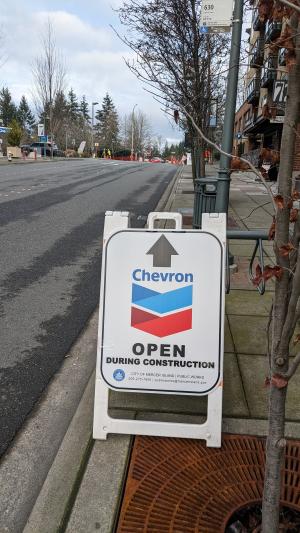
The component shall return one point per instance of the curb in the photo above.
(55, 498)
(26, 465)
(167, 198)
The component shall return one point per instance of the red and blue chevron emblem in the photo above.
(161, 314)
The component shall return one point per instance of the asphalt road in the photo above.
(51, 223)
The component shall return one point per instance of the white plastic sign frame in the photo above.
(116, 222)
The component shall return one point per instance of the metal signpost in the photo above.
(161, 325)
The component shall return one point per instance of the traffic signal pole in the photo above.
(222, 199)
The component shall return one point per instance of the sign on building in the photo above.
(280, 92)
(216, 16)
(161, 323)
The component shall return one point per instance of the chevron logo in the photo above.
(161, 314)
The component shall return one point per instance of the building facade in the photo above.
(265, 84)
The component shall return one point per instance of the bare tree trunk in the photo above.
(202, 160)
(285, 302)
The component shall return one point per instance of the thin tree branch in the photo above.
(293, 368)
(290, 4)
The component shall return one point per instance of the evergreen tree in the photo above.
(15, 134)
(107, 126)
(8, 110)
(84, 108)
(73, 106)
(25, 116)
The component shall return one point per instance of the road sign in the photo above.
(81, 147)
(41, 130)
(216, 16)
(43, 138)
(4, 129)
(162, 312)
(280, 92)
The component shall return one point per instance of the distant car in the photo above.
(156, 160)
(45, 149)
(26, 149)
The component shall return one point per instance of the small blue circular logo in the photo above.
(119, 375)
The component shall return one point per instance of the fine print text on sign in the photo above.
(162, 312)
(216, 16)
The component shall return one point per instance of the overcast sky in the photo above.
(94, 55)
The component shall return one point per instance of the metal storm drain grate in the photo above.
(180, 486)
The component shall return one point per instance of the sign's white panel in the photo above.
(216, 14)
(162, 312)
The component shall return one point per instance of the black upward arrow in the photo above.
(162, 252)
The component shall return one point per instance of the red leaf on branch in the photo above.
(256, 281)
(279, 201)
(278, 271)
(279, 381)
(272, 230)
(270, 272)
(286, 249)
(294, 215)
(295, 195)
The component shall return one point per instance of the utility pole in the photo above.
(222, 199)
(132, 132)
(93, 117)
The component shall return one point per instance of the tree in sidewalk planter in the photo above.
(286, 306)
(15, 134)
(178, 64)
(283, 328)
(8, 110)
(107, 124)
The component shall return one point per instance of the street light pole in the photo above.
(93, 107)
(132, 131)
(222, 199)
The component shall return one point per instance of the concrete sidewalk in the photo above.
(83, 489)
